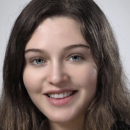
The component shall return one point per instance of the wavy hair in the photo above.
(112, 101)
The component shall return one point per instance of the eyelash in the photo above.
(76, 55)
(35, 60)
(38, 59)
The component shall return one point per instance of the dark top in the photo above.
(119, 125)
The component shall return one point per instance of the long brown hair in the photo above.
(112, 101)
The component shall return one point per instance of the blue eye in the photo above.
(75, 58)
(38, 61)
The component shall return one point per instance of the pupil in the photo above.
(39, 61)
(75, 57)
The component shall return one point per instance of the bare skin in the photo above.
(60, 74)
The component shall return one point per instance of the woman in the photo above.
(62, 70)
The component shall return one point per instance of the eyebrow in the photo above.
(34, 50)
(76, 46)
(66, 48)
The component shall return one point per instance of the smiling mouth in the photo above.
(61, 95)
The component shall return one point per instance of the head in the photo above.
(96, 31)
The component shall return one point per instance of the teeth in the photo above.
(65, 94)
(60, 95)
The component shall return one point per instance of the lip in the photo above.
(58, 91)
(60, 101)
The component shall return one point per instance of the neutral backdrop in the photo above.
(117, 12)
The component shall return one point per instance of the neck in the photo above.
(73, 125)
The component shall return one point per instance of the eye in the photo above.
(75, 58)
(37, 61)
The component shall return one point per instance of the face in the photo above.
(60, 73)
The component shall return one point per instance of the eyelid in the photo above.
(37, 58)
(79, 55)
(33, 59)
(76, 54)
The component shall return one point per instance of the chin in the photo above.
(62, 118)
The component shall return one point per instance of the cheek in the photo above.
(88, 76)
(32, 80)
(91, 75)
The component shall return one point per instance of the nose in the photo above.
(57, 75)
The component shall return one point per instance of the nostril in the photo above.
(57, 79)
(66, 77)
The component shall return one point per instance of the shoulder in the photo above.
(119, 125)
(44, 125)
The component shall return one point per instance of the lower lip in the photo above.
(60, 101)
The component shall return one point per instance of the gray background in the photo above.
(117, 12)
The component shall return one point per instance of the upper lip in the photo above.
(58, 91)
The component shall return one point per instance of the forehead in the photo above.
(61, 31)
(62, 21)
